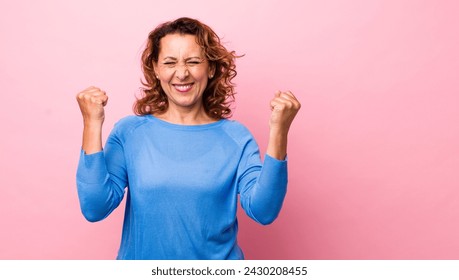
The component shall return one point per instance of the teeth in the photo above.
(183, 87)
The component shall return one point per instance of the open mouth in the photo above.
(183, 87)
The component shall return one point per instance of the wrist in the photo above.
(93, 123)
(278, 132)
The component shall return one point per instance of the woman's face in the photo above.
(183, 71)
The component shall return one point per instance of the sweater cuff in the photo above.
(92, 168)
(275, 159)
(274, 172)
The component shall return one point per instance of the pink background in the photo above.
(374, 154)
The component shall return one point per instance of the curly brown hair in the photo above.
(219, 93)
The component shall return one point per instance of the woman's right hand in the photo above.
(92, 101)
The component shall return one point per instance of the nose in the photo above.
(181, 72)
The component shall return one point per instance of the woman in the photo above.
(183, 162)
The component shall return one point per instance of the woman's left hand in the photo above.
(284, 107)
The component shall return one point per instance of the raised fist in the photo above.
(92, 101)
(284, 107)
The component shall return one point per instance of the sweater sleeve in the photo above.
(101, 179)
(262, 187)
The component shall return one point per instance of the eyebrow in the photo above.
(188, 58)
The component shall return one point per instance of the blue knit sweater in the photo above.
(183, 183)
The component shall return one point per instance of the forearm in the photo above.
(98, 193)
(277, 144)
(263, 200)
(92, 137)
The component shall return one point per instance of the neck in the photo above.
(185, 117)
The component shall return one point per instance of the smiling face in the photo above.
(183, 72)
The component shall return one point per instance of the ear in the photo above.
(211, 70)
(155, 67)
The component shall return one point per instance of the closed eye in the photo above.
(169, 64)
(193, 62)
